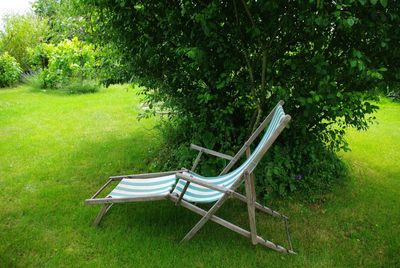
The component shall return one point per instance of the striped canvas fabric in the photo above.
(195, 193)
(159, 186)
(200, 194)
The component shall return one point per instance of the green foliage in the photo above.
(63, 19)
(220, 66)
(22, 32)
(60, 64)
(66, 20)
(312, 171)
(112, 68)
(10, 70)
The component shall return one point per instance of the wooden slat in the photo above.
(196, 162)
(251, 199)
(182, 193)
(101, 214)
(101, 188)
(260, 207)
(211, 152)
(123, 200)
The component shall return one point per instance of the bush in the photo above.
(22, 32)
(62, 64)
(10, 71)
(311, 170)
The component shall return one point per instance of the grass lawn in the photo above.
(56, 150)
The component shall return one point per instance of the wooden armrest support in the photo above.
(203, 183)
(211, 152)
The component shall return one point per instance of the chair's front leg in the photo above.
(212, 210)
(205, 218)
(103, 211)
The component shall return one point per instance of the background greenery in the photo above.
(57, 149)
(21, 33)
(70, 61)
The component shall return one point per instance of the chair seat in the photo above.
(158, 186)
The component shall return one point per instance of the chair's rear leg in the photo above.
(101, 214)
(251, 199)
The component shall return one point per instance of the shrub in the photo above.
(310, 170)
(59, 65)
(22, 32)
(10, 71)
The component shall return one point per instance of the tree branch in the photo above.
(248, 13)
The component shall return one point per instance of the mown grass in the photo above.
(57, 149)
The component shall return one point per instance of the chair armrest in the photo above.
(204, 183)
(211, 152)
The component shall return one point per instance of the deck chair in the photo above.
(186, 188)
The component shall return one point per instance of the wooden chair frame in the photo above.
(247, 177)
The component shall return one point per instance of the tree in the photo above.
(219, 66)
(20, 33)
(64, 18)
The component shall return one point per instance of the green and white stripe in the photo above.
(158, 186)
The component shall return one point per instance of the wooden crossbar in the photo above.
(211, 152)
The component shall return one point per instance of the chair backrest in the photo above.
(196, 193)
(277, 111)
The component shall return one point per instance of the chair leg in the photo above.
(251, 200)
(205, 218)
(101, 214)
(211, 212)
